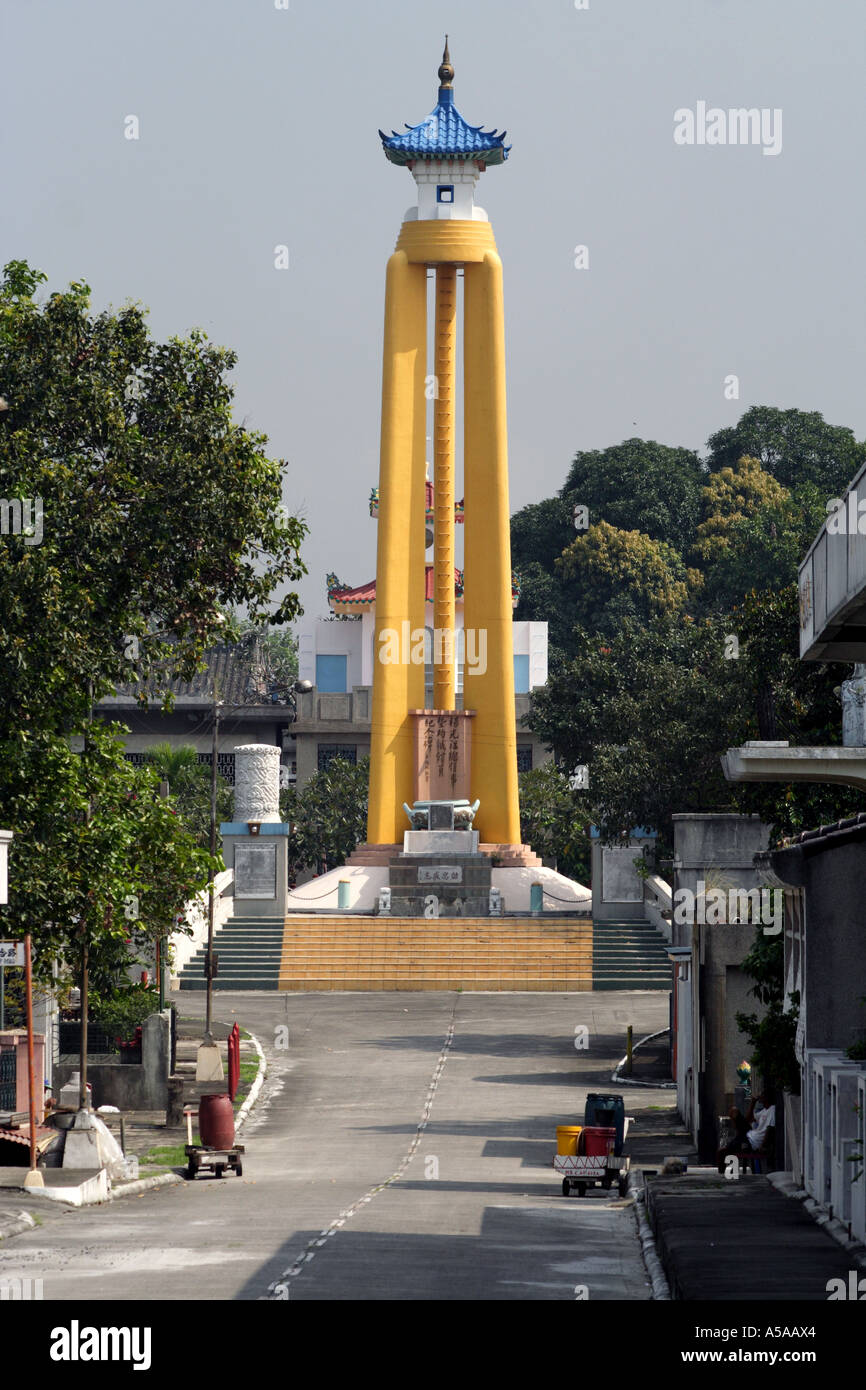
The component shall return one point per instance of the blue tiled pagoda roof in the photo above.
(445, 135)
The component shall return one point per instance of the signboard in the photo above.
(620, 883)
(440, 873)
(256, 870)
(11, 952)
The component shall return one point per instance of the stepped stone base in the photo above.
(411, 953)
(560, 951)
(509, 856)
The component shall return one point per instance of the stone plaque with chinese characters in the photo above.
(440, 873)
(256, 869)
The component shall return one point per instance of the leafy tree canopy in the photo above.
(608, 575)
(327, 816)
(795, 446)
(158, 509)
(732, 495)
(639, 485)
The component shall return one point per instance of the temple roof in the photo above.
(445, 134)
(347, 601)
(343, 599)
(234, 673)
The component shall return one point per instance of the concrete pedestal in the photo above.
(260, 864)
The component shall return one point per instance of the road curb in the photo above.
(784, 1183)
(649, 1251)
(134, 1189)
(256, 1087)
(619, 1080)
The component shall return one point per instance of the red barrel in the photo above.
(216, 1122)
(599, 1140)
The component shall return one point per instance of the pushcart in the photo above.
(201, 1158)
(582, 1171)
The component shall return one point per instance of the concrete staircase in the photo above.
(346, 951)
(629, 955)
(413, 953)
(249, 951)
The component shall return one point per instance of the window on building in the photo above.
(521, 675)
(225, 765)
(445, 193)
(524, 757)
(348, 752)
(331, 674)
(137, 759)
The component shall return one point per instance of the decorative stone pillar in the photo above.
(259, 857)
(853, 697)
(257, 783)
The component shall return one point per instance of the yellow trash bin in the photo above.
(566, 1139)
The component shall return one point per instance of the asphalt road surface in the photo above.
(401, 1150)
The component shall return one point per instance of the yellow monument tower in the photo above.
(417, 750)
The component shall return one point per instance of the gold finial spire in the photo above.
(446, 71)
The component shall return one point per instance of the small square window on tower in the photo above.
(445, 193)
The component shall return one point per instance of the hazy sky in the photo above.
(258, 127)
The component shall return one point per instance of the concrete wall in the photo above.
(718, 850)
(617, 890)
(131, 1086)
(835, 958)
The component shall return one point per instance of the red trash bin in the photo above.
(599, 1141)
(216, 1122)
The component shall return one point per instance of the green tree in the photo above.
(795, 446)
(639, 485)
(158, 510)
(99, 858)
(607, 575)
(648, 710)
(189, 784)
(731, 496)
(552, 820)
(540, 532)
(327, 816)
(762, 550)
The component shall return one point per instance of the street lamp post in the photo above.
(209, 1066)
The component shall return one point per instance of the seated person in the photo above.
(739, 1142)
(760, 1120)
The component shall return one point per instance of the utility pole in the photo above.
(209, 1066)
(34, 1178)
(85, 963)
(161, 941)
(210, 897)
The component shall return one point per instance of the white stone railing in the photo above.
(657, 901)
(184, 947)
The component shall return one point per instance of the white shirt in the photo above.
(762, 1123)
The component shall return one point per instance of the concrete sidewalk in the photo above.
(144, 1131)
(720, 1240)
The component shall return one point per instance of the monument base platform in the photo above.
(503, 856)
